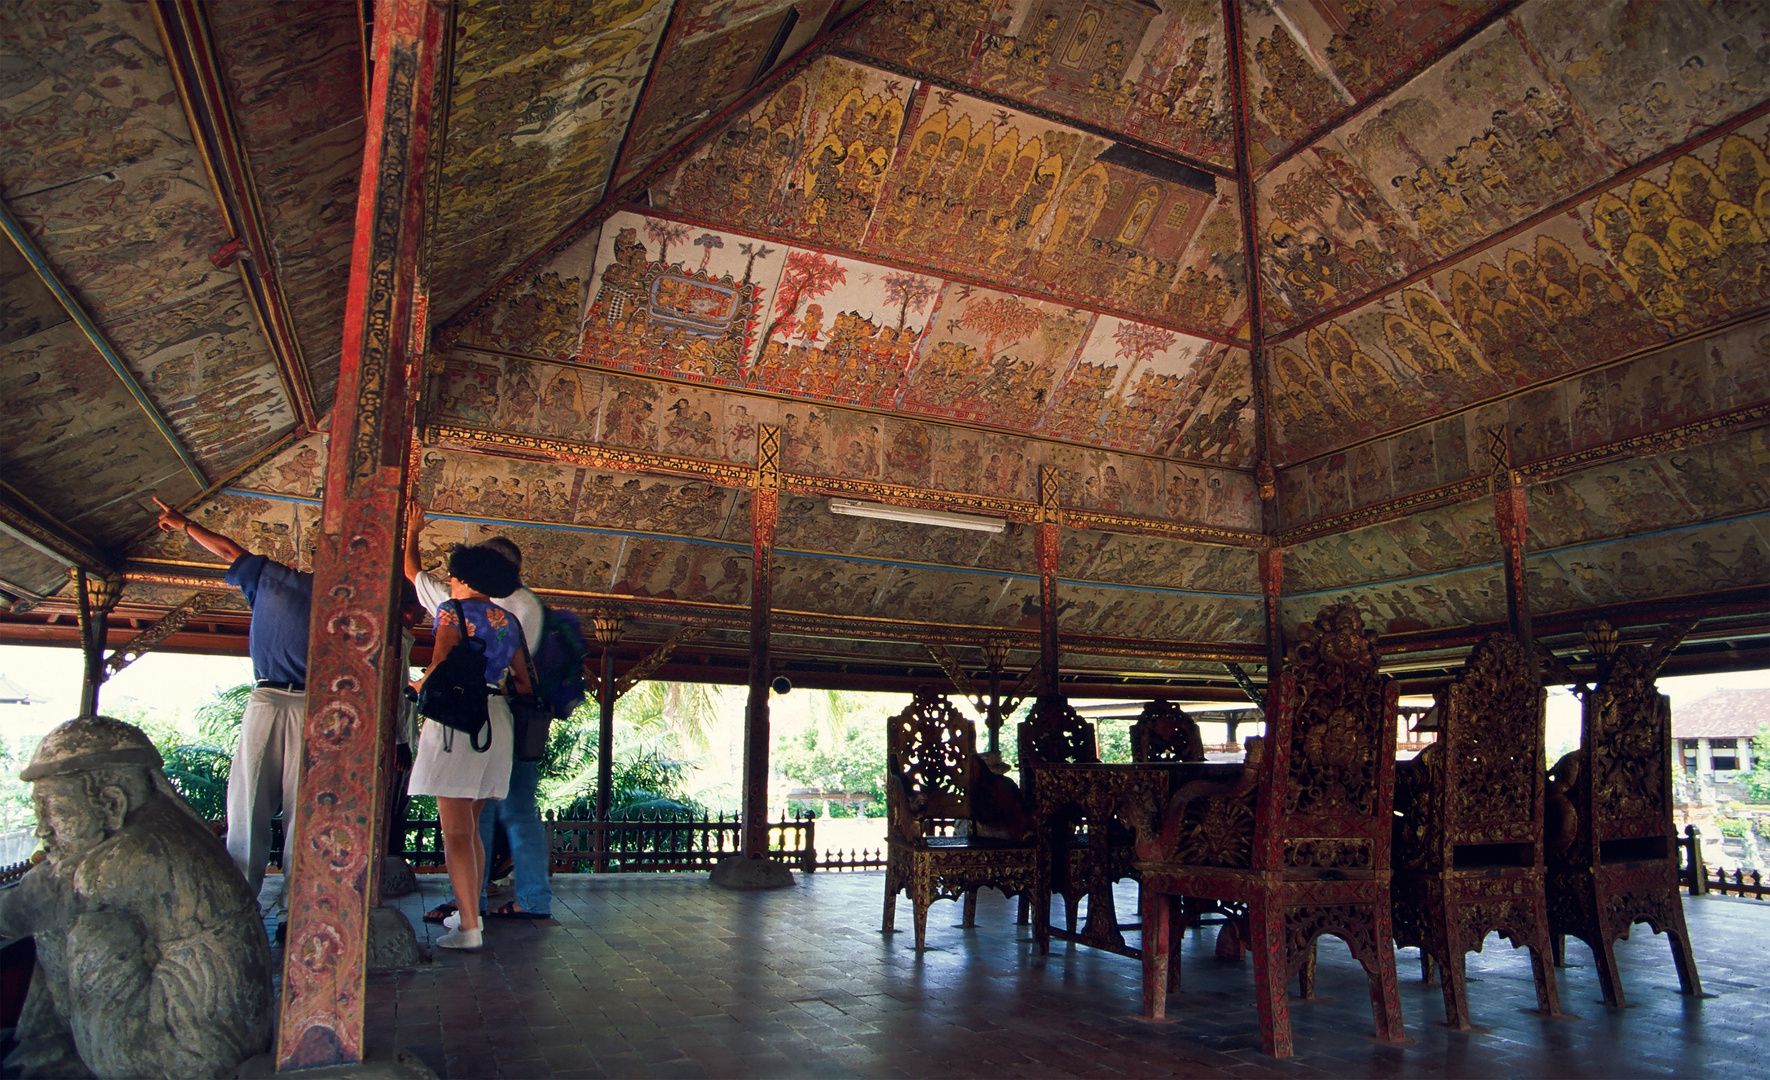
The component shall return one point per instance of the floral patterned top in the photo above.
(492, 625)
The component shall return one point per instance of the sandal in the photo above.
(509, 910)
(440, 912)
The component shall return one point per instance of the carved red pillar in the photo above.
(1047, 540)
(97, 596)
(764, 504)
(353, 653)
(1272, 595)
(607, 624)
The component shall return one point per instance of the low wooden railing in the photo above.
(1699, 879)
(671, 842)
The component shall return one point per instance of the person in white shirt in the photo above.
(517, 813)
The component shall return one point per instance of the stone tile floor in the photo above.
(667, 976)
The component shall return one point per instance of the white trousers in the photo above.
(264, 779)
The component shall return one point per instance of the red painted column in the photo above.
(1047, 542)
(1272, 595)
(1510, 518)
(764, 506)
(353, 653)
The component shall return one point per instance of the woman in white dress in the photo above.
(448, 766)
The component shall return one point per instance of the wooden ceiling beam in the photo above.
(28, 248)
(39, 530)
(196, 74)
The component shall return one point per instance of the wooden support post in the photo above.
(1511, 517)
(354, 675)
(1272, 595)
(1047, 541)
(97, 596)
(607, 625)
(752, 868)
(995, 650)
(764, 505)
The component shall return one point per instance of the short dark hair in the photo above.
(506, 547)
(483, 570)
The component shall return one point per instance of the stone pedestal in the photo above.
(752, 872)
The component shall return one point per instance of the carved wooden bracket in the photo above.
(655, 659)
(164, 627)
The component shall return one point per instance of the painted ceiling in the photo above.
(1157, 246)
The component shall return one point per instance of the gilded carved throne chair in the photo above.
(1163, 732)
(953, 826)
(1617, 863)
(1070, 863)
(1468, 856)
(1302, 839)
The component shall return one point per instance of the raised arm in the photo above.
(414, 525)
(212, 542)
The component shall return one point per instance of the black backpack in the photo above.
(454, 693)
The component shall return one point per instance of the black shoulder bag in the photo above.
(530, 713)
(454, 693)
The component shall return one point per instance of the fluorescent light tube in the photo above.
(887, 512)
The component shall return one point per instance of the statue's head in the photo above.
(86, 777)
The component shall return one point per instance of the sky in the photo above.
(170, 686)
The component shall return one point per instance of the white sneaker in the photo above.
(461, 939)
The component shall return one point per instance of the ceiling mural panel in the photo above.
(1683, 384)
(202, 361)
(1620, 272)
(86, 90)
(294, 73)
(1682, 562)
(27, 306)
(24, 567)
(805, 524)
(166, 597)
(1441, 539)
(76, 441)
(1651, 75)
(1144, 560)
(1154, 72)
(1454, 599)
(966, 187)
(541, 101)
(514, 394)
(706, 70)
(1309, 61)
(283, 528)
(1148, 614)
(661, 569)
(135, 237)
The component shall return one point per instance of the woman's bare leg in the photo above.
(462, 854)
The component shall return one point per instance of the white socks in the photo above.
(452, 921)
(457, 938)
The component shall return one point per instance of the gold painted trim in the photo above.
(540, 448)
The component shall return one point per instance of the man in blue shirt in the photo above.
(267, 761)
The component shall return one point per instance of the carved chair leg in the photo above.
(891, 888)
(1025, 915)
(970, 917)
(1558, 949)
(1306, 976)
(1157, 929)
(1548, 995)
(1428, 972)
(1385, 988)
(1609, 976)
(1266, 928)
(1688, 981)
(1456, 989)
(1070, 916)
(1229, 942)
(921, 906)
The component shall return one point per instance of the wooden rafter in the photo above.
(36, 528)
(655, 659)
(28, 248)
(196, 74)
(960, 680)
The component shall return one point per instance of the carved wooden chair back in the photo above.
(1327, 779)
(1623, 794)
(1164, 732)
(929, 746)
(1053, 733)
(1481, 789)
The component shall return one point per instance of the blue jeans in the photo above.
(520, 819)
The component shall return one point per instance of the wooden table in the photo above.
(1137, 793)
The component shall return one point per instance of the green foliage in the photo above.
(1731, 826)
(842, 751)
(16, 809)
(198, 766)
(1115, 741)
(651, 721)
(1757, 782)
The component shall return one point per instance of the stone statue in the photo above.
(151, 956)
